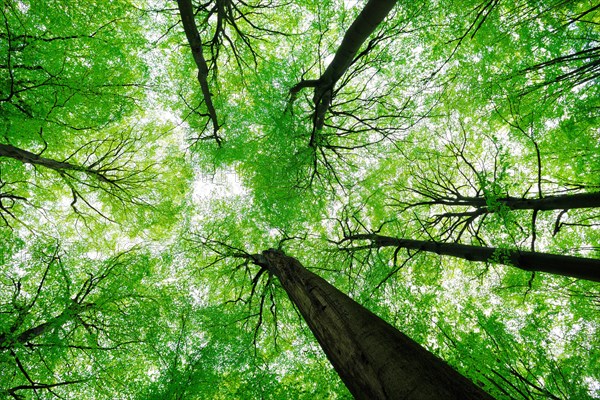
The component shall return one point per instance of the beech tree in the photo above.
(435, 162)
(374, 359)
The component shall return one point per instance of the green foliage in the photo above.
(126, 250)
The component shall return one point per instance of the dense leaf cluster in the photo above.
(148, 150)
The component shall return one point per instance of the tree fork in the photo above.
(373, 359)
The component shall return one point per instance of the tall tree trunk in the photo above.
(27, 157)
(575, 267)
(186, 11)
(362, 27)
(374, 359)
(69, 314)
(562, 202)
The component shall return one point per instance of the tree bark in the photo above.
(374, 359)
(575, 267)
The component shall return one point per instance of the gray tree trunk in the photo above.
(374, 359)
(557, 264)
(561, 202)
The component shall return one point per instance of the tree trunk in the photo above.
(70, 313)
(362, 27)
(562, 202)
(27, 157)
(186, 11)
(374, 359)
(575, 267)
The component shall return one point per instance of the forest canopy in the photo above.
(438, 162)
